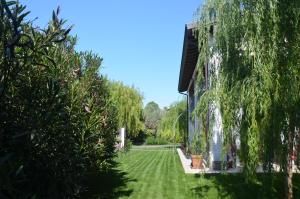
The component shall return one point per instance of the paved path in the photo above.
(186, 164)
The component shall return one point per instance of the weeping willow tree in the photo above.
(129, 104)
(173, 125)
(259, 79)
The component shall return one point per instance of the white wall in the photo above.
(216, 141)
(122, 136)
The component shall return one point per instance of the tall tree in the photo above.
(152, 115)
(259, 80)
(173, 123)
(129, 104)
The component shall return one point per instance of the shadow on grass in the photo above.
(201, 191)
(109, 185)
(235, 186)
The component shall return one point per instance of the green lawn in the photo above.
(157, 173)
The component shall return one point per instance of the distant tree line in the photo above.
(173, 124)
(168, 124)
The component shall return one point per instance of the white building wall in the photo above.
(122, 135)
(215, 117)
(216, 141)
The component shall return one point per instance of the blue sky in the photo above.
(139, 40)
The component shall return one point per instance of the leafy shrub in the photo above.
(151, 140)
(198, 144)
(140, 138)
(173, 124)
(57, 120)
(128, 145)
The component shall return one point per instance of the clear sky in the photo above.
(139, 40)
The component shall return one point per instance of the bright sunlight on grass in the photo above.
(157, 173)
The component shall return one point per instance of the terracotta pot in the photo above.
(197, 162)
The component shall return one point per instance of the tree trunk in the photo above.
(289, 183)
(289, 169)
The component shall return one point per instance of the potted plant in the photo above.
(196, 150)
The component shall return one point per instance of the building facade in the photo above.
(191, 85)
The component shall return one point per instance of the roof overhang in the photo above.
(189, 58)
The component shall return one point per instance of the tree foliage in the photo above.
(258, 83)
(152, 115)
(129, 104)
(173, 124)
(56, 117)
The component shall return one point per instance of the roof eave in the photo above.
(180, 87)
(186, 68)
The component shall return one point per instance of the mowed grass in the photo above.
(157, 173)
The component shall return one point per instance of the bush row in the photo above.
(151, 140)
(57, 120)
